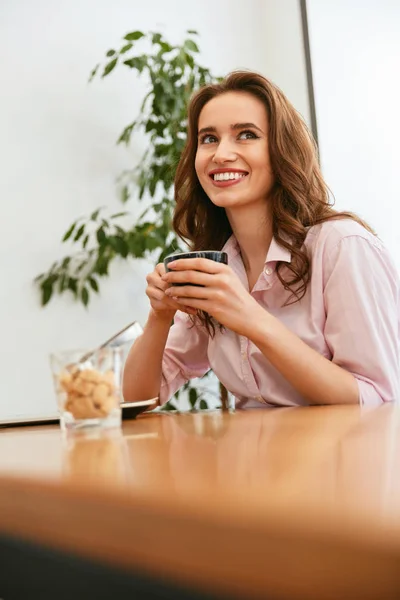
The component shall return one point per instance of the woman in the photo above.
(307, 310)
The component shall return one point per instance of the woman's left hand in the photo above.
(222, 294)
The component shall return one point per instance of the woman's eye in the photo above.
(208, 139)
(247, 135)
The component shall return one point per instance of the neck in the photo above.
(252, 228)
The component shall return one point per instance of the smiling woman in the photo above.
(306, 311)
(234, 154)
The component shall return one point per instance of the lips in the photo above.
(229, 172)
(227, 177)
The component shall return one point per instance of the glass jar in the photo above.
(88, 393)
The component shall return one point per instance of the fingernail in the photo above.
(171, 264)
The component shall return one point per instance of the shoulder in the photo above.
(345, 247)
(330, 235)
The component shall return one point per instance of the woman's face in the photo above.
(232, 159)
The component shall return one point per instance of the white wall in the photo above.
(355, 48)
(59, 160)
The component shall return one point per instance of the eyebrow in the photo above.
(212, 129)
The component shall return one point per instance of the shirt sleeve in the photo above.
(361, 297)
(185, 355)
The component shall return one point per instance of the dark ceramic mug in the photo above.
(215, 255)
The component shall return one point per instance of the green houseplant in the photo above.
(171, 72)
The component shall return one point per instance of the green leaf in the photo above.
(79, 233)
(191, 45)
(95, 214)
(165, 47)
(109, 67)
(152, 243)
(156, 38)
(93, 284)
(133, 36)
(119, 245)
(131, 62)
(126, 134)
(68, 234)
(138, 62)
(169, 406)
(110, 53)
(203, 405)
(39, 278)
(124, 196)
(154, 126)
(193, 397)
(101, 266)
(119, 214)
(62, 284)
(125, 48)
(152, 184)
(65, 262)
(192, 32)
(93, 73)
(136, 245)
(47, 292)
(190, 60)
(85, 296)
(101, 236)
(72, 285)
(85, 241)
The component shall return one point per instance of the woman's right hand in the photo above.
(162, 305)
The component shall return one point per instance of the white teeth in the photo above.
(227, 175)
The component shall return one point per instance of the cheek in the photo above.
(262, 165)
(199, 165)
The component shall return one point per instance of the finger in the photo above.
(188, 291)
(194, 303)
(158, 296)
(157, 282)
(155, 294)
(187, 309)
(197, 264)
(191, 277)
(160, 268)
(157, 274)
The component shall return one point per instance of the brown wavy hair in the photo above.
(299, 197)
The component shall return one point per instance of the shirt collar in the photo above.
(278, 253)
(275, 251)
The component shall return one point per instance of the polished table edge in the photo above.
(204, 542)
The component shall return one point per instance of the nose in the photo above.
(224, 153)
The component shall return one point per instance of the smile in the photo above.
(227, 178)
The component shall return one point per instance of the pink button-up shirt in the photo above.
(349, 314)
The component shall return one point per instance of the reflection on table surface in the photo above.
(220, 501)
(336, 458)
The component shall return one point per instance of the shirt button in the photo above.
(268, 271)
(243, 353)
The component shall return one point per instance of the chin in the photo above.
(227, 200)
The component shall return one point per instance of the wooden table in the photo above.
(280, 503)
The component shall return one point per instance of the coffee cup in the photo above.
(215, 255)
